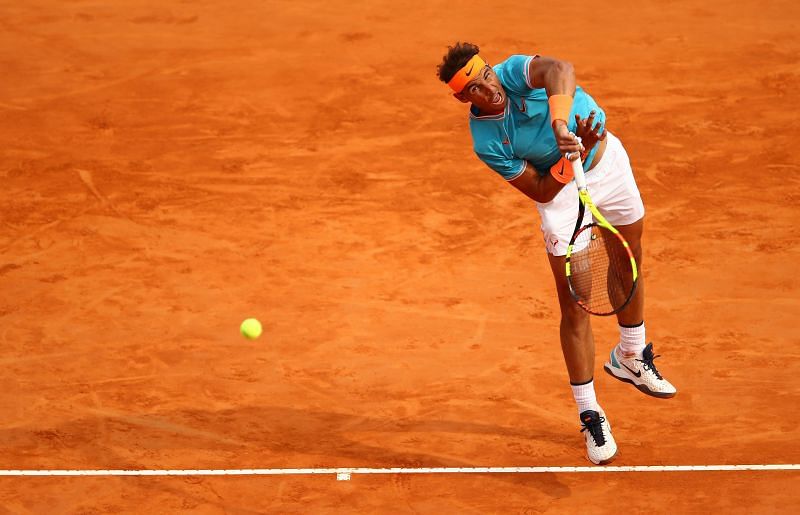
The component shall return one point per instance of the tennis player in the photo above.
(526, 117)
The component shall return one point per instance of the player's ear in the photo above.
(461, 97)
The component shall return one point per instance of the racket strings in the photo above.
(601, 270)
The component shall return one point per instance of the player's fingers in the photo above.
(565, 149)
(575, 138)
(572, 146)
(568, 139)
(591, 118)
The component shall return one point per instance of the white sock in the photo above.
(631, 339)
(584, 396)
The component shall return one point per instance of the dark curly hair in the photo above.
(456, 57)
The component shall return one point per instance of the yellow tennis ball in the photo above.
(251, 328)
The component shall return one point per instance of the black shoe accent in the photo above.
(592, 421)
(647, 360)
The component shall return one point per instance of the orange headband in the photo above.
(467, 73)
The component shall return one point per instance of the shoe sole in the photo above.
(603, 462)
(642, 388)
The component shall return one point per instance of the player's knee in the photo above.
(575, 322)
(636, 250)
(571, 313)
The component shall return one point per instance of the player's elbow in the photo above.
(547, 196)
(563, 68)
(539, 194)
(541, 188)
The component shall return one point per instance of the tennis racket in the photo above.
(601, 269)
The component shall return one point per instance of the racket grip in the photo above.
(577, 169)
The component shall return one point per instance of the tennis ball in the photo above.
(251, 328)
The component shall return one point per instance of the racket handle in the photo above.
(580, 178)
(577, 169)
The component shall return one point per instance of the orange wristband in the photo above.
(560, 107)
(562, 171)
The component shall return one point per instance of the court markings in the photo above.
(344, 474)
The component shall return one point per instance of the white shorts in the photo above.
(613, 189)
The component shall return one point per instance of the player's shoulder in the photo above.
(514, 62)
(514, 73)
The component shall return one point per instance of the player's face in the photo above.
(485, 92)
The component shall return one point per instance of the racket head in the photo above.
(601, 270)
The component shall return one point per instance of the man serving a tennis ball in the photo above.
(521, 120)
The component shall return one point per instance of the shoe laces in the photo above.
(595, 428)
(647, 361)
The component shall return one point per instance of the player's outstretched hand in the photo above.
(590, 135)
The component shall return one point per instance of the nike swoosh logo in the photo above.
(561, 173)
(470, 69)
(637, 374)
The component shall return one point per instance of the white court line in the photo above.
(344, 474)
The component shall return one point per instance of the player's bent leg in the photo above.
(633, 313)
(617, 196)
(630, 360)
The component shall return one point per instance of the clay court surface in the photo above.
(169, 170)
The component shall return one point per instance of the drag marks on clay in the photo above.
(7, 268)
(125, 379)
(12, 107)
(37, 357)
(477, 339)
(654, 104)
(422, 311)
(380, 438)
(159, 424)
(28, 236)
(352, 37)
(88, 181)
(36, 101)
(164, 19)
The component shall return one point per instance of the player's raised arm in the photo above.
(555, 76)
(558, 79)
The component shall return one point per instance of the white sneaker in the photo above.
(600, 445)
(640, 372)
